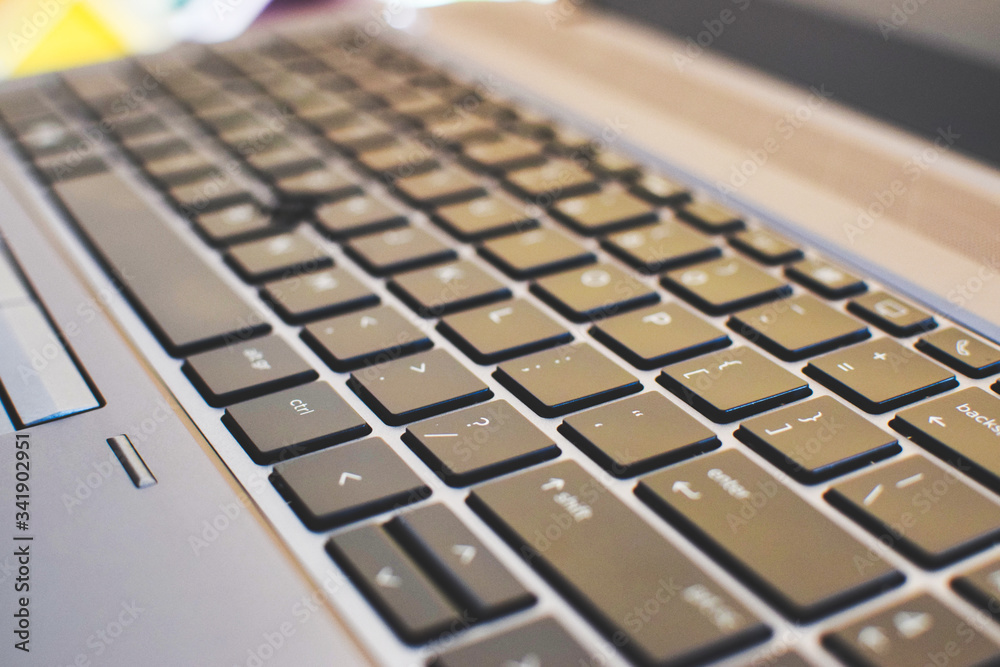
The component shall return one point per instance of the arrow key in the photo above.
(456, 558)
(540, 643)
(916, 631)
(346, 483)
(393, 583)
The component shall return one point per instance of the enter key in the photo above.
(963, 428)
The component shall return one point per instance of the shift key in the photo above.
(648, 597)
(777, 542)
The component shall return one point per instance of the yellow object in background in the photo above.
(77, 37)
(44, 35)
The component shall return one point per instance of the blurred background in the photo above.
(44, 35)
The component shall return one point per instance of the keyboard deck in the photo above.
(541, 404)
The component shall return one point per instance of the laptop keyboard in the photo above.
(711, 370)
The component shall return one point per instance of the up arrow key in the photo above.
(464, 552)
(386, 578)
(348, 475)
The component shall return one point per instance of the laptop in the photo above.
(517, 335)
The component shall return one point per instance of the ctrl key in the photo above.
(917, 631)
(293, 422)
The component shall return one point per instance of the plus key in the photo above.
(880, 375)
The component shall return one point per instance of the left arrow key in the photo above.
(395, 585)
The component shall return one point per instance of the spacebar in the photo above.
(188, 306)
(652, 601)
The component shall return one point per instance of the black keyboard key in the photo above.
(565, 379)
(725, 285)
(235, 224)
(659, 190)
(460, 562)
(658, 335)
(710, 217)
(536, 253)
(827, 280)
(767, 534)
(817, 440)
(502, 331)
(131, 236)
(892, 315)
(929, 514)
(293, 422)
(399, 160)
(611, 564)
(981, 587)
(325, 184)
(732, 384)
(962, 428)
(637, 434)
(277, 256)
(314, 295)
(447, 288)
(880, 375)
(916, 631)
(246, 370)
(603, 212)
(964, 352)
(554, 180)
(479, 442)
(539, 643)
(363, 214)
(765, 246)
(393, 583)
(483, 218)
(663, 246)
(423, 385)
(509, 153)
(799, 327)
(593, 292)
(398, 250)
(346, 483)
(371, 336)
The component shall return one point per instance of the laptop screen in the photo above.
(921, 65)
